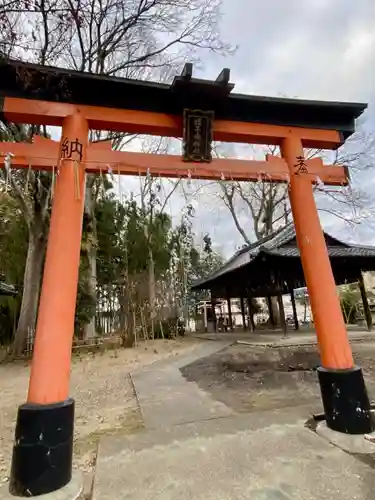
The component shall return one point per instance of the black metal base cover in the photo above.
(43, 448)
(345, 400)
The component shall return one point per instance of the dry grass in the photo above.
(104, 395)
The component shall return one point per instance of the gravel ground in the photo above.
(104, 395)
(249, 378)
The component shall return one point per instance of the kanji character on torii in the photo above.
(199, 111)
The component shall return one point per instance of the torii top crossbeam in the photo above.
(45, 95)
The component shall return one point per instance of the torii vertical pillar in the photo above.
(43, 449)
(344, 395)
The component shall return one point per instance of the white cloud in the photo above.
(318, 50)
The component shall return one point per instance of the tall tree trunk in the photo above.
(151, 289)
(89, 329)
(31, 290)
(275, 311)
(184, 294)
(127, 324)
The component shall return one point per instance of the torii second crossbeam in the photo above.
(43, 154)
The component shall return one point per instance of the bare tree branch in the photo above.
(17, 191)
(228, 198)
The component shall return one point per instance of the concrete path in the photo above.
(195, 448)
(167, 399)
(254, 457)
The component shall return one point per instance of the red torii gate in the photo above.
(42, 454)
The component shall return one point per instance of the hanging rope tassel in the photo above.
(27, 180)
(101, 187)
(6, 181)
(53, 182)
(119, 185)
(76, 180)
(189, 178)
(8, 165)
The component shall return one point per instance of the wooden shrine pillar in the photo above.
(45, 424)
(205, 322)
(293, 301)
(252, 326)
(230, 318)
(283, 324)
(366, 307)
(214, 319)
(270, 311)
(344, 394)
(243, 313)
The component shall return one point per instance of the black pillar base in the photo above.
(43, 448)
(345, 400)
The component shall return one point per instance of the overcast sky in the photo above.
(319, 49)
(313, 49)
